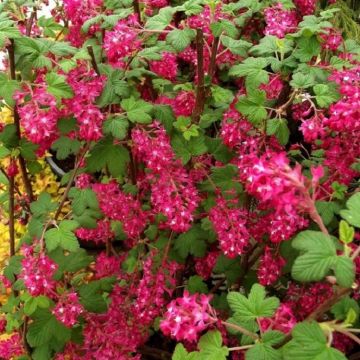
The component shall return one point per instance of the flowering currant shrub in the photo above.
(207, 155)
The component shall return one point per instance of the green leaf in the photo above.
(224, 27)
(302, 81)
(70, 262)
(273, 337)
(180, 39)
(255, 306)
(58, 87)
(32, 303)
(50, 26)
(252, 106)
(318, 256)
(237, 47)
(83, 199)
(270, 45)
(93, 295)
(230, 267)
(225, 177)
(344, 271)
(106, 154)
(14, 267)
(192, 242)
(307, 48)
(65, 146)
(117, 126)
(8, 28)
(309, 343)
(325, 95)
(341, 309)
(327, 210)
(352, 213)
(262, 351)
(180, 353)
(252, 69)
(43, 205)
(161, 20)
(45, 328)
(62, 236)
(197, 285)
(4, 152)
(137, 110)
(219, 150)
(221, 96)
(114, 89)
(279, 128)
(346, 232)
(165, 114)
(211, 348)
(28, 149)
(8, 87)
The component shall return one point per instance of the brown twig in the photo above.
(12, 215)
(214, 50)
(93, 60)
(328, 304)
(70, 183)
(154, 353)
(200, 90)
(217, 285)
(30, 21)
(281, 109)
(320, 311)
(241, 329)
(137, 11)
(24, 174)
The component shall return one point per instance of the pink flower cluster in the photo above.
(204, 266)
(271, 180)
(230, 224)
(332, 39)
(187, 317)
(305, 7)
(68, 309)
(173, 192)
(133, 306)
(152, 289)
(11, 347)
(182, 105)
(37, 273)
(304, 299)
(120, 43)
(273, 88)
(279, 21)
(99, 235)
(116, 205)
(87, 86)
(156, 3)
(167, 67)
(283, 320)
(39, 115)
(78, 11)
(270, 266)
(107, 266)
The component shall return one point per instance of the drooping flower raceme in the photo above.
(68, 309)
(230, 224)
(37, 273)
(173, 192)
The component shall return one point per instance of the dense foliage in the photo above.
(207, 154)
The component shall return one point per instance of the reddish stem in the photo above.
(200, 90)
